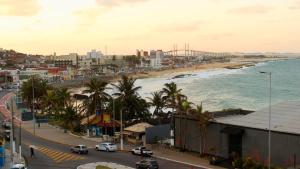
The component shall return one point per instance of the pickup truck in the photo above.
(142, 151)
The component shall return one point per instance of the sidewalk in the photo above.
(182, 157)
(55, 134)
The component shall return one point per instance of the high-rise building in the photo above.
(156, 58)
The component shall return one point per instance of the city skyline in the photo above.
(65, 26)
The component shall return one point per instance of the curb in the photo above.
(47, 139)
(181, 162)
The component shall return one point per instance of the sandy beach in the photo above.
(235, 63)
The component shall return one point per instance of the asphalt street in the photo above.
(51, 155)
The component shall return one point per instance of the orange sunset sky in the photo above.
(64, 26)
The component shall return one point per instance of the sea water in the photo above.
(244, 88)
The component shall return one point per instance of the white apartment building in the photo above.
(156, 58)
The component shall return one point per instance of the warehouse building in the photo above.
(246, 134)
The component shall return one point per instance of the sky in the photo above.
(122, 26)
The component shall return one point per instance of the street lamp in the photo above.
(33, 114)
(270, 96)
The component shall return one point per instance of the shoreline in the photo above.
(235, 63)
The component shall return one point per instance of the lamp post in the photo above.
(33, 114)
(114, 117)
(121, 129)
(269, 134)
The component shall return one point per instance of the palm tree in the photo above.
(173, 98)
(64, 96)
(204, 119)
(97, 98)
(184, 109)
(159, 103)
(128, 96)
(49, 102)
(71, 117)
(98, 95)
(33, 90)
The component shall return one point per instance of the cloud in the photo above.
(87, 17)
(19, 7)
(180, 27)
(216, 36)
(114, 3)
(296, 5)
(253, 9)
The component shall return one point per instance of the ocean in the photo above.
(244, 88)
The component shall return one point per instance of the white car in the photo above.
(80, 149)
(19, 166)
(106, 147)
(142, 151)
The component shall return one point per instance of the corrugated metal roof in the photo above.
(285, 117)
(138, 128)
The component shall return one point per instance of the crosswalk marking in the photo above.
(59, 156)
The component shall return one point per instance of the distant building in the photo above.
(156, 58)
(93, 54)
(64, 61)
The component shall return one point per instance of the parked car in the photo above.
(141, 151)
(7, 135)
(80, 149)
(106, 147)
(18, 166)
(147, 164)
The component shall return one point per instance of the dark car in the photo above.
(147, 164)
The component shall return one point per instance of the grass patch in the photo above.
(102, 167)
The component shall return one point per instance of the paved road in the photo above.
(50, 155)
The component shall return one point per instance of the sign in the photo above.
(106, 118)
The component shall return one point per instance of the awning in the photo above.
(232, 130)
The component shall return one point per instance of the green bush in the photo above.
(249, 163)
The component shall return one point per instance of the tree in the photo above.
(71, 118)
(173, 98)
(63, 98)
(204, 119)
(128, 96)
(159, 103)
(36, 87)
(172, 95)
(49, 102)
(185, 108)
(97, 98)
(98, 95)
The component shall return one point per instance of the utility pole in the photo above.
(20, 126)
(114, 116)
(270, 74)
(11, 134)
(33, 114)
(270, 103)
(121, 131)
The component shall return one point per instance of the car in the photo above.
(109, 147)
(18, 166)
(142, 151)
(7, 135)
(147, 164)
(80, 149)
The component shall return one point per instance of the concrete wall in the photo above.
(254, 142)
(156, 133)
